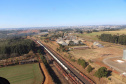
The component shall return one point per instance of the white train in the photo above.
(54, 57)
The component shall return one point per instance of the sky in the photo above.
(46, 13)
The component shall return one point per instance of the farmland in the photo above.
(22, 74)
(94, 54)
(92, 36)
(109, 49)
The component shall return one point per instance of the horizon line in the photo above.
(63, 26)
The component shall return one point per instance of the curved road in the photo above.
(120, 67)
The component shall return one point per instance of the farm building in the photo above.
(124, 54)
(62, 43)
(67, 41)
(98, 44)
(76, 41)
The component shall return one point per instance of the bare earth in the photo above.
(97, 55)
(48, 79)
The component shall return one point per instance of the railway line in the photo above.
(68, 70)
(64, 73)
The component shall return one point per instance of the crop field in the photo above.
(123, 31)
(22, 74)
(93, 35)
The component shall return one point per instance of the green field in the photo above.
(22, 74)
(93, 35)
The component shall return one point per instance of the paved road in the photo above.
(120, 67)
(71, 69)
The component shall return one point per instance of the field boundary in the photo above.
(47, 79)
(42, 74)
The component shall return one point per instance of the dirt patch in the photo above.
(28, 31)
(97, 55)
(48, 79)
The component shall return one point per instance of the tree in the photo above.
(81, 32)
(82, 62)
(113, 38)
(39, 51)
(89, 31)
(14, 55)
(57, 49)
(43, 59)
(16, 61)
(79, 61)
(101, 72)
(71, 43)
(80, 42)
(89, 69)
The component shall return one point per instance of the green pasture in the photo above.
(93, 35)
(22, 74)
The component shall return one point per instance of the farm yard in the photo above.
(107, 51)
(22, 74)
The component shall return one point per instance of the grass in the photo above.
(86, 54)
(22, 74)
(93, 35)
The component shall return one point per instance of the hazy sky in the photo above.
(41, 13)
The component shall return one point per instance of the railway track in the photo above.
(72, 72)
(68, 76)
(84, 76)
(64, 73)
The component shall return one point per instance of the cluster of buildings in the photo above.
(66, 40)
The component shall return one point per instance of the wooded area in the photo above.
(120, 39)
(15, 47)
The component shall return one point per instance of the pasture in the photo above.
(93, 35)
(22, 74)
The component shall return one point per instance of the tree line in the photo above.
(101, 72)
(119, 39)
(16, 47)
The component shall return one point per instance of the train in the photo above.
(68, 71)
(55, 57)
